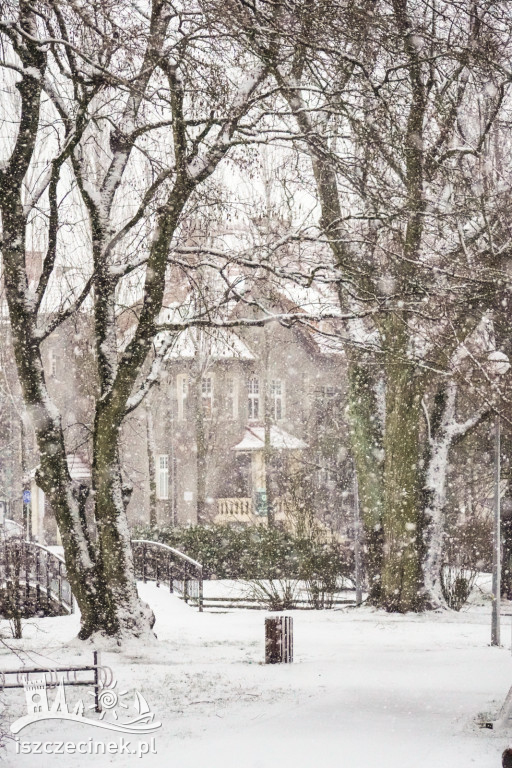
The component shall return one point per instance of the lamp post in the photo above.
(496, 548)
(498, 365)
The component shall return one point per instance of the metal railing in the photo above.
(34, 576)
(158, 562)
(12, 528)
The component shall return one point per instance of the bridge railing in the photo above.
(35, 573)
(158, 562)
(35, 576)
(12, 528)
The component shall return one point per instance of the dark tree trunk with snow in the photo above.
(201, 446)
(101, 572)
(401, 587)
(150, 442)
(267, 433)
(366, 442)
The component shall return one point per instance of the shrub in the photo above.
(467, 550)
(276, 594)
(256, 553)
(456, 584)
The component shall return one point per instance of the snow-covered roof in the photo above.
(328, 345)
(254, 440)
(78, 469)
(12, 528)
(217, 345)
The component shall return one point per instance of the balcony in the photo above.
(241, 510)
(235, 510)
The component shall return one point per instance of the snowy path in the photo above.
(365, 689)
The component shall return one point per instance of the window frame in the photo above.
(253, 398)
(232, 397)
(162, 481)
(182, 392)
(207, 398)
(54, 362)
(277, 399)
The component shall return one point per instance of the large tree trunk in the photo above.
(366, 441)
(53, 474)
(435, 498)
(123, 612)
(201, 448)
(402, 586)
(101, 574)
(445, 431)
(267, 433)
(150, 442)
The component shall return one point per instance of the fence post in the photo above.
(38, 581)
(200, 598)
(48, 584)
(60, 583)
(28, 566)
(96, 657)
(279, 640)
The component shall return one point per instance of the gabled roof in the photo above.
(78, 469)
(254, 440)
(215, 344)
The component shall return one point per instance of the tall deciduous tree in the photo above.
(398, 104)
(112, 80)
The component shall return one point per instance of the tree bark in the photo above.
(267, 433)
(150, 441)
(435, 498)
(402, 585)
(366, 442)
(101, 574)
(201, 447)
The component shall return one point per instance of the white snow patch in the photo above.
(366, 688)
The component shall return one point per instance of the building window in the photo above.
(232, 398)
(327, 394)
(326, 474)
(182, 395)
(53, 364)
(163, 476)
(277, 398)
(327, 401)
(207, 395)
(253, 402)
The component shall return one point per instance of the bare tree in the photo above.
(398, 105)
(95, 70)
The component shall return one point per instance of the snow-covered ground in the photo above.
(365, 689)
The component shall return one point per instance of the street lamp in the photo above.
(498, 365)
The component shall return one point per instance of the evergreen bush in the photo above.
(258, 552)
